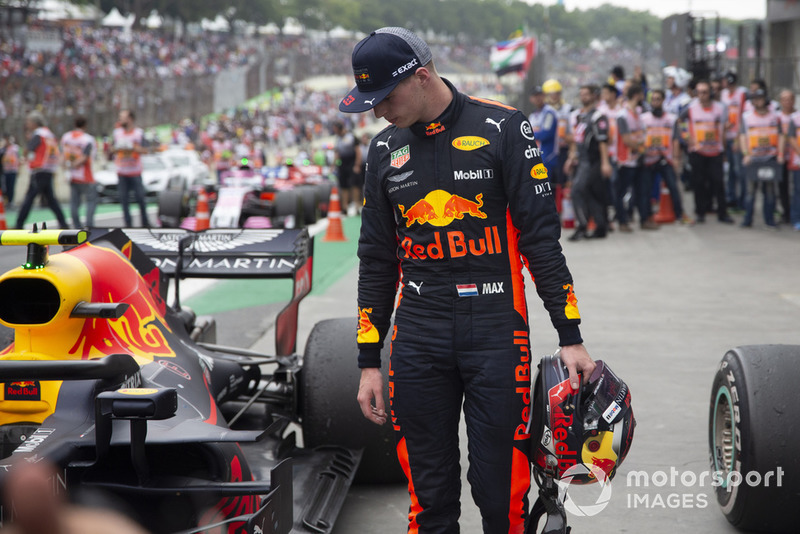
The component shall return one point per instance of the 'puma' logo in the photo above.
(415, 286)
(497, 124)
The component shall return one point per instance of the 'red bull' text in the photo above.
(456, 245)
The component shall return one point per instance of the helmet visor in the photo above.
(607, 398)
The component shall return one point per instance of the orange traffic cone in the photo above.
(202, 215)
(3, 225)
(335, 231)
(665, 213)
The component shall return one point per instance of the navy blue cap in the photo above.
(380, 61)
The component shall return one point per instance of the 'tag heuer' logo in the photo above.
(468, 143)
(400, 157)
(440, 208)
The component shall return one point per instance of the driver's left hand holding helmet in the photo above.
(579, 430)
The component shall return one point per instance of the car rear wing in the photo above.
(235, 253)
(225, 252)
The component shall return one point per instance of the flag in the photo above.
(513, 56)
(516, 34)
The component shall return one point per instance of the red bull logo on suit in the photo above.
(440, 208)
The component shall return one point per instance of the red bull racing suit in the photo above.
(453, 210)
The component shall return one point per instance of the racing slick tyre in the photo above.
(311, 213)
(331, 416)
(753, 436)
(324, 190)
(288, 207)
(173, 206)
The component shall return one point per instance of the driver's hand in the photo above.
(370, 395)
(577, 360)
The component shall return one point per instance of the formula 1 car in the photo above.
(753, 436)
(273, 197)
(127, 395)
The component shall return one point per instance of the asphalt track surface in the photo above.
(660, 307)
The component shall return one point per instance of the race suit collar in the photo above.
(445, 120)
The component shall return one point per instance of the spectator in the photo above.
(10, 157)
(662, 151)
(590, 153)
(792, 156)
(733, 97)
(553, 92)
(629, 153)
(786, 100)
(79, 150)
(348, 167)
(544, 121)
(611, 106)
(762, 148)
(43, 160)
(128, 149)
(706, 121)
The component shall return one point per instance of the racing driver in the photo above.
(457, 199)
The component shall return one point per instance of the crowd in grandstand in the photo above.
(293, 118)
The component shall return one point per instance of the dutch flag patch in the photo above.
(467, 290)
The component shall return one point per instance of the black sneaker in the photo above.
(726, 220)
(579, 234)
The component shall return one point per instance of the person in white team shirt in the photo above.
(792, 157)
(734, 97)
(78, 149)
(42, 155)
(762, 143)
(128, 148)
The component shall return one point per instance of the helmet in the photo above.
(579, 431)
(551, 86)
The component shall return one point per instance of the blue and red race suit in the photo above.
(453, 210)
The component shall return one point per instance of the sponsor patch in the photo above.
(526, 130)
(469, 143)
(26, 390)
(480, 174)
(362, 76)
(400, 177)
(532, 152)
(405, 67)
(539, 171)
(434, 128)
(611, 412)
(400, 157)
(467, 290)
(495, 123)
